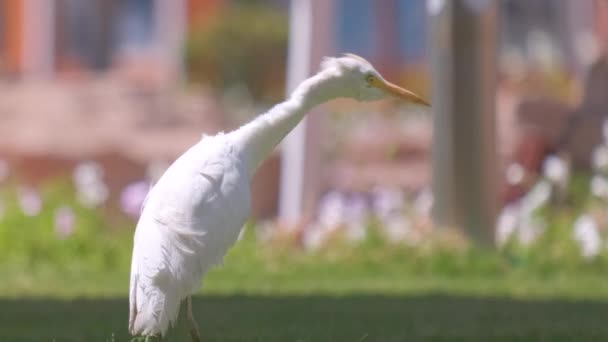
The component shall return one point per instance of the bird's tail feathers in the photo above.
(152, 309)
(153, 312)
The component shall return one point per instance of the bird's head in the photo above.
(354, 77)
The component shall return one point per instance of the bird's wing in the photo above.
(151, 311)
(165, 265)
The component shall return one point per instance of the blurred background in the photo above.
(363, 209)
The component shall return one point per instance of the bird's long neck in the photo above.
(259, 137)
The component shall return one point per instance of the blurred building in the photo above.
(95, 40)
(374, 28)
(548, 31)
(55, 37)
(395, 31)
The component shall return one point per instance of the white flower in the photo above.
(530, 229)
(586, 233)
(516, 218)
(93, 194)
(356, 212)
(29, 201)
(356, 209)
(88, 180)
(87, 172)
(507, 223)
(338, 211)
(556, 170)
(599, 186)
(64, 222)
(423, 203)
(332, 210)
(314, 237)
(542, 50)
(599, 158)
(387, 201)
(515, 173)
(397, 228)
(537, 197)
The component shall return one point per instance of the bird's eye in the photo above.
(369, 79)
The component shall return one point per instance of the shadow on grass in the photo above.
(319, 318)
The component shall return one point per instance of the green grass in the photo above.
(75, 289)
(375, 267)
(323, 318)
(374, 292)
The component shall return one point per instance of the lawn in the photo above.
(372, 292)
(322, 318)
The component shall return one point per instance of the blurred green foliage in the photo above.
(99, 241)
(95, 259)
(244, 45)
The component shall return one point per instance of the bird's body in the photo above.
(195, 212)
(191, 217)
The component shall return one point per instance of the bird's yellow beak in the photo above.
(399, 92)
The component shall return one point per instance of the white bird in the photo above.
(195, 211)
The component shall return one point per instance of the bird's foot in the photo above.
(194, 333)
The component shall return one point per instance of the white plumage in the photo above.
(195, 212)
(191, 217)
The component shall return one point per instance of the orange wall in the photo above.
(201, 10)
(12, 19)
(13, 31)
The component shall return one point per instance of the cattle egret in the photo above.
(195, 211)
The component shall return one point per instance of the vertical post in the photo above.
(309, 41)
(577, 21)
(170, 31)
(463, 36)
(38, 38)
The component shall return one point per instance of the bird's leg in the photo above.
(194, 332)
